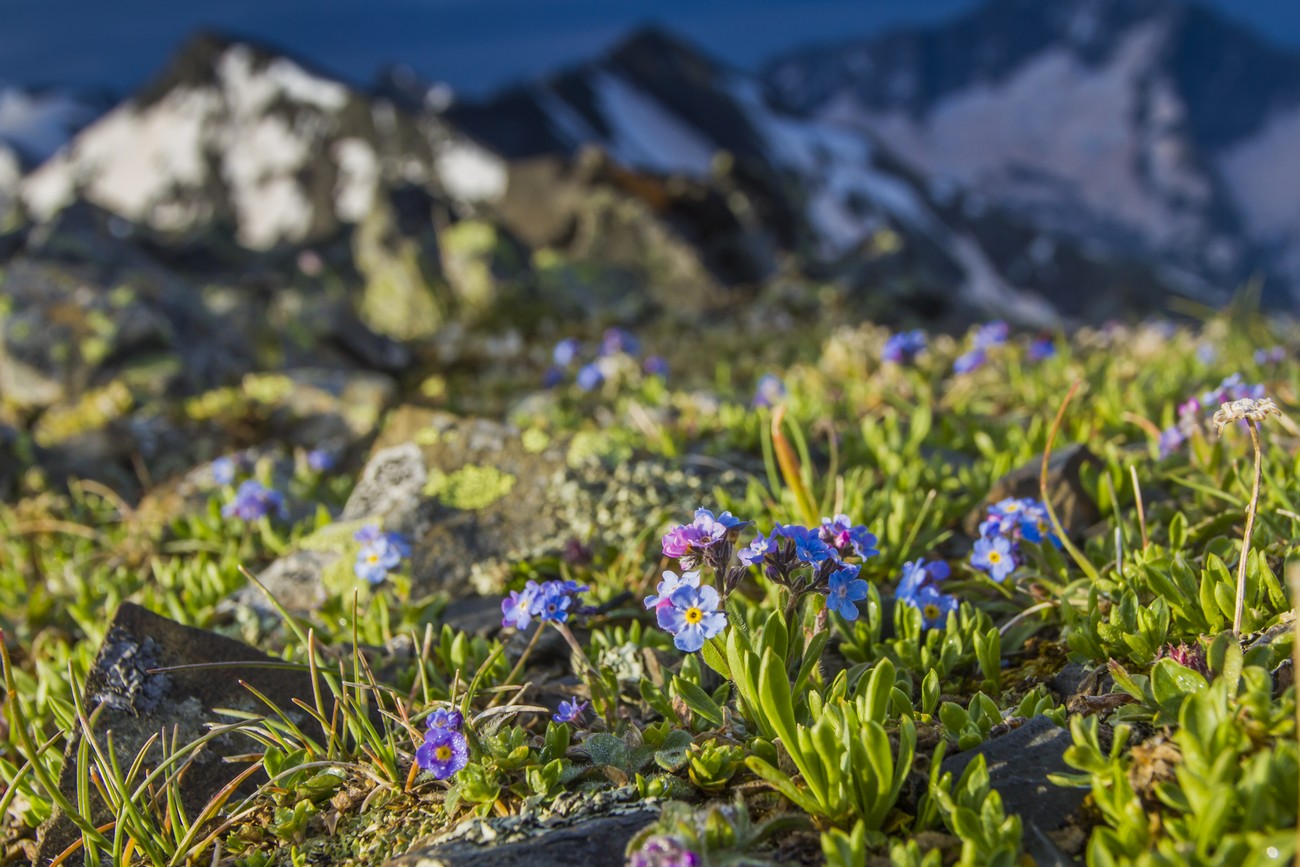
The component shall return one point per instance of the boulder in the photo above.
(136, 701)
(1019, 763)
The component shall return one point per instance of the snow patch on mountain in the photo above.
(1269, 199)
(470, 173)
(846, 194)
(647, 135)
(1058, 132)
(240, 144)
(37, 123)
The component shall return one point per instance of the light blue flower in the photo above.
(994, 556)
(671, 581)
(692, 617)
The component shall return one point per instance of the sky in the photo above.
(474, 45)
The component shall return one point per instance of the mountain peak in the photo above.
(214, 58)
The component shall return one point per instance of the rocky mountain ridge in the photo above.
(1153, 127)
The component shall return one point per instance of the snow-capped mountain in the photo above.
(658, 105)
(235, 136)
(1152, 127)
(34, 123)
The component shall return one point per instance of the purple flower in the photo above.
(904, 347)
(1041, 349)
(758, 549)
(320, 460)
(1273, 355)
(1206, 353)
(692, 617)
(970, 361)
(934, 606)
(769, 392)
(847, 538)
(253, 500)
(552, 377)
(655, 365)
(844, 589)
(452, 720)
(444, 752)
(808, 544)
(661, 851)
(589, 377)
(679, 540)
(570, 711)
(565, 352)
(517, 608)
(223, 470)
(994, 556)
(703, 532)
(616, 340)
(671, 581)
(1171, 440)
(991, 334)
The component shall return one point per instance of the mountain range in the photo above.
(1078, 159)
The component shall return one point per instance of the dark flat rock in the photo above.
(597, 842)
(1018, 763)
(137, 701)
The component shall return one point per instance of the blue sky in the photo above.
(476, 45)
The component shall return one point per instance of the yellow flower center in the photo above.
(931, 611)
(1013, 507)
(372, 558)
(442, 753)
(694, 615)
(995, 557)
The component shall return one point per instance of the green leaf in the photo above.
(714, 653)
(1171, 682)
(812, 656)
(775, 636)
(697, 700)
(782, 784)
(605, 749)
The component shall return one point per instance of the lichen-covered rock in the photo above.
(473, 497)
(136, 701)
(404, 297)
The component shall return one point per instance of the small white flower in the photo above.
(1245, 409)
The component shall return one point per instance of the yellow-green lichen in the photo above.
(469, 488)
(92, 411)
(535, 440)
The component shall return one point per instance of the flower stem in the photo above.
(523, 657)
(1250, 526)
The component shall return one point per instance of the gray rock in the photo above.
(389, 487)
(137, 702)
(1074, 507)
(1018, 763)
(592, 830)
(474, 496)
